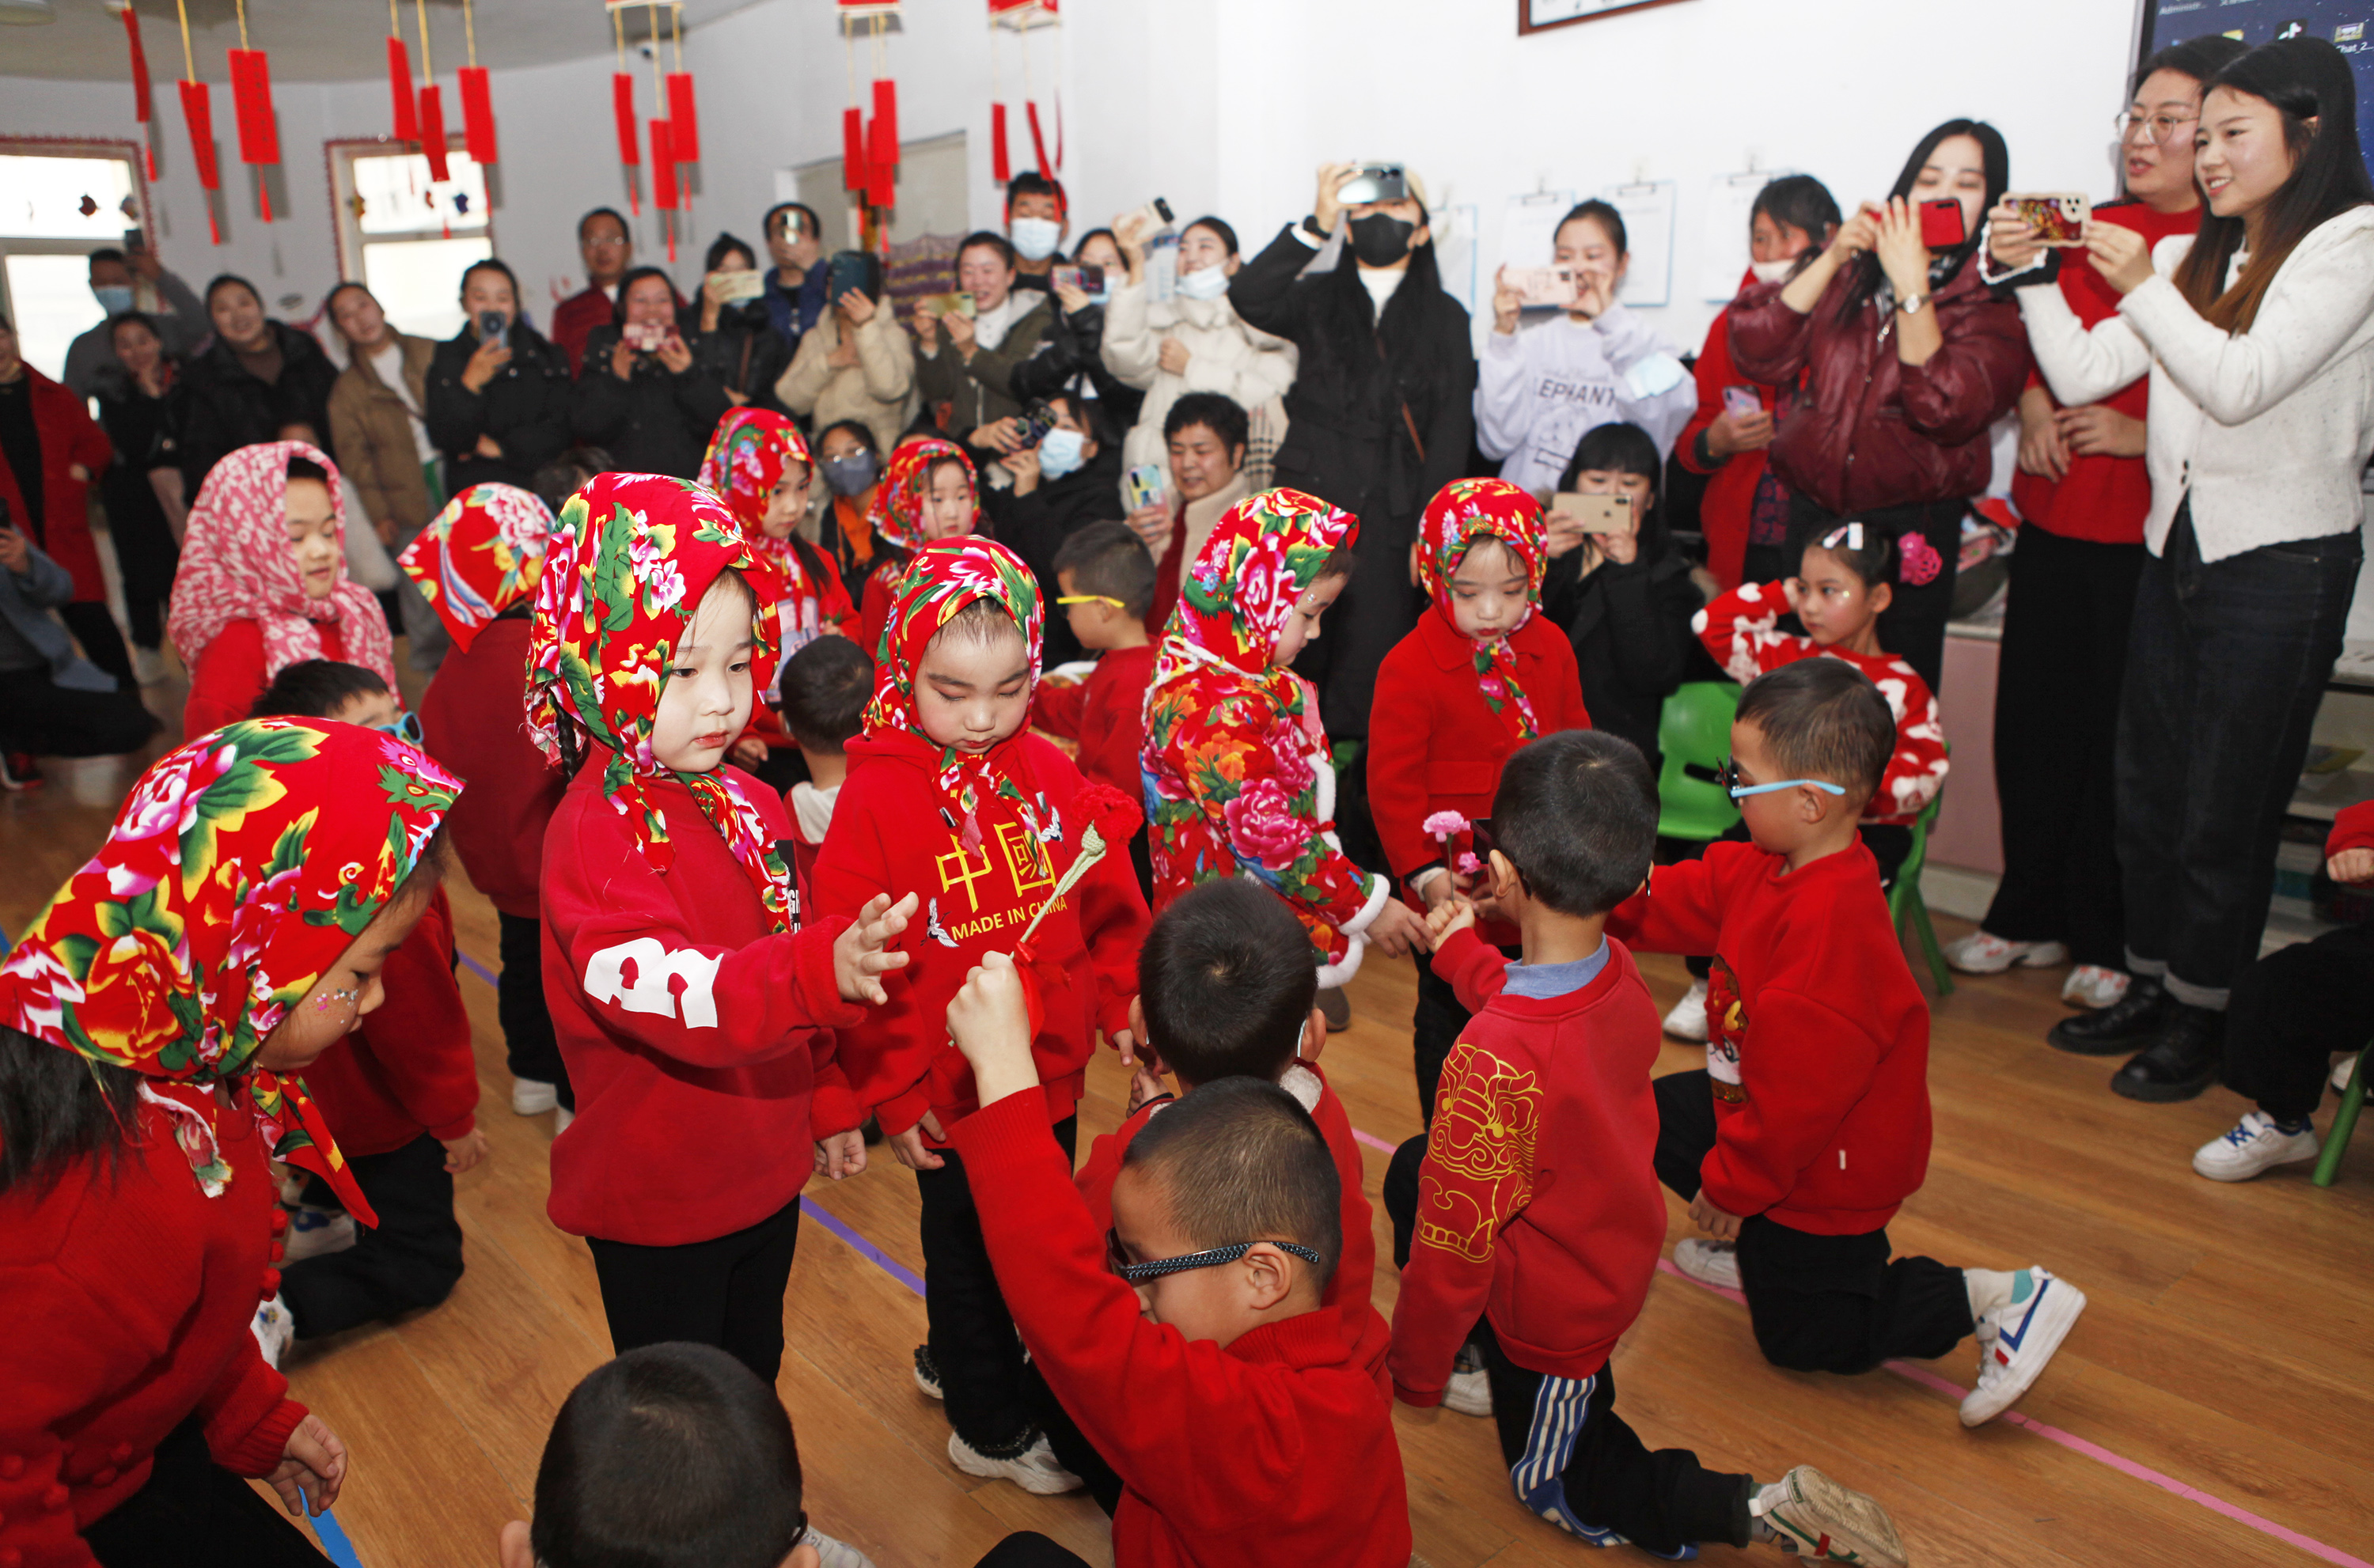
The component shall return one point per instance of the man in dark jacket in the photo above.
(1380, 416)
(1045, 507)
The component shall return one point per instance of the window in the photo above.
(62, 201)
(405, 237)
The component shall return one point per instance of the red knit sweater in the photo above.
(472, 720)
(1105, 714)
(2353, 828)
(1817, 1038)
(127, 1297)
(1277, 1450)
(1538, 1206)
(409, 1069)
(1348, 1291)
(889, 835)
(231, 676)
(699, 1043)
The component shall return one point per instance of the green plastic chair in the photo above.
(2345, 1121)
(1904, 900)
(1694, 732)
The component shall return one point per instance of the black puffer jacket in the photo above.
(656, 421)
(1071, 348)
(224, 406)
(1630, 627)
(1380, 417)
(525, 408)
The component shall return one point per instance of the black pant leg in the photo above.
(2041, 710)
(1835, 1304)
(410, 1259)
(1401, 1195)
(530, 1048)
(94, 626)
(1685, 1128)
(1434, 1029)
(1029, 1549)
(2292, 1009)
(194, 1513)
(754, 1293)
(972, 1334)
(2098, 918)
(1889, 843)
(653, 1294)
(146, 552)
(37, 715)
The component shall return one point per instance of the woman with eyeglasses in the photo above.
(2082, 494)
(2258, 334)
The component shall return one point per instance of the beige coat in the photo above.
(1224, 355)
(879, 392)
(372, 432)
(1204, 515)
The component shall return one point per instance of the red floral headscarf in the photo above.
(627, 567)
(239, 870)
(1263, 556)
(1462, 512)
(745, 462)
(480, 556)
(236, 566)
(944, 577)
(895, 512)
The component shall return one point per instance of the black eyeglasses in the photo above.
(1118, 1262)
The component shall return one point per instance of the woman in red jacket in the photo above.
(1745, 507)
(229, 932)
(50, 452)
(1902, 359)
(263, 582)
(1478, 678)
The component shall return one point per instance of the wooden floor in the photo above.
(2229, 1349)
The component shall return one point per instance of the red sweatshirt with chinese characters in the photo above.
(893, 831)
(1348, 1290)
(1741, 630)
(1105, 715)
(1275, 1451)
(1817, 1038)
(1538, 1205)
(700, 1042)
(409, 1069)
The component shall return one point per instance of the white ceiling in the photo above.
(321, 41)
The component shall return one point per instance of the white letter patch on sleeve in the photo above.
(606, 980)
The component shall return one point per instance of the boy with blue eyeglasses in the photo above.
(1809, 1126)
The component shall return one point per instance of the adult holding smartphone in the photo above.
(854, 363)
(728, 329)
(1744, 512)
(1902, 359)
(643, 397)
(2083, 494)
(497, 389)
(2258, 334)
(966, 362)
(1194, 342)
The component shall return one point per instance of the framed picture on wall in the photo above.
(1539, 16)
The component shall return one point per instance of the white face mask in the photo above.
(1035, 238)
(1203, 283)
(1771, 272)
(1060, 452)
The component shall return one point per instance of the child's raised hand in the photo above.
(990, 1022)
(860, 953)
(840, 1154)
(1453, 914)
(2351, 866)
(1144, 1086)
(1716, 1222)
(909, 1148)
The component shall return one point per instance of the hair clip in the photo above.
(1849, 536)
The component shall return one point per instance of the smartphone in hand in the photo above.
(1741, 402)
(1597, 514)
(1942, 228)
(2058, 217)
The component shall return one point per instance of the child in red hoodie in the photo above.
(695, 1011)
(1809, 1126)
(1223, 993)
(402, 1090)
(1532, 1201)
(478, 565)
(1106, 580)
(1211, 1372)
(1476, 679)
(949, 795)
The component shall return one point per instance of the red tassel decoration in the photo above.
(251, 96)
(143, 101)
(199, 114)
(478, 115)
(399, 88)
(853, 174)
(1001, 166)
(886, 114)
(622, 106)
(881, 187)
(663, 165)
(432, 132)
(1037, 142)
(684, 118)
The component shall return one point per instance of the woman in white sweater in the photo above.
(1194, 341)
(854, 363)
(2258, 333)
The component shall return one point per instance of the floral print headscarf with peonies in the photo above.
(1463, 513)
(239, 870)
(896, 513)
(944, 577)
(480, 556)
(745, 461)
(628, 565)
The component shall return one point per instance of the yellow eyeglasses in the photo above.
(1091, 599)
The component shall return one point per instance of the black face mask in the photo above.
(850, 476)
(1380, 240)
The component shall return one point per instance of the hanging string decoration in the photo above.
(197, 114)
(622, 109)
(477, 101)
(143, 99)
(870, 149)
(251, 96)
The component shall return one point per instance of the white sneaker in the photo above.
(1815, 1517)
(1983, 953)
(533, 1096)
(562, 1117)
(831, 1553)
(1687, 1020)
(316, 1232)
(2341, 1071)
(1468, 1393)
(1035, 1469)
(2015, 1341)
(927, 1372)
(2091, 985)
(272, 1328)
(1709, 1262)
(2255, 1144)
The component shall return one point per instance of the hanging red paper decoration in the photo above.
(404, 125)
(882, 145)
(1037, 142)
(251, 96)
(143, 99)
(432, 133)
(853, 174)
(197, 114)
(1001, 166)
(477, 102)
(1019, 17)
(684, 118)
(622, 109)
(663, 165)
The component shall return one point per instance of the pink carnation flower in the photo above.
(1443, 824)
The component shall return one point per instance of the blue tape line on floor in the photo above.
(475, 967)
(334, 1542)
(863, 1248)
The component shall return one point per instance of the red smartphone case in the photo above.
(1941, 224)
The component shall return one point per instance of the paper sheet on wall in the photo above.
(1722, 236)
(1454, 255)
(1648, 209)
(1529, 227)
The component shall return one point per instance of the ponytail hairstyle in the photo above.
(2305, 78)
(1865, 270)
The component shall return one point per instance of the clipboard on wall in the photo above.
(1647, 206)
